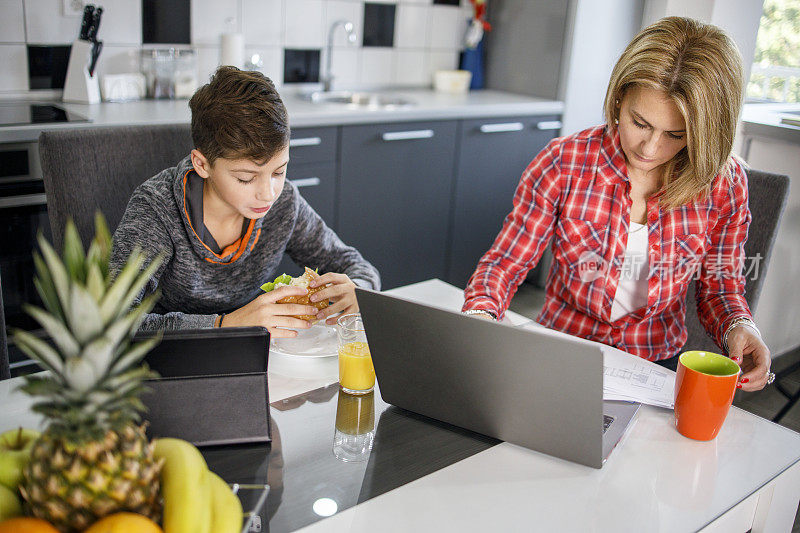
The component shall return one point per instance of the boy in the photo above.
(224, 216)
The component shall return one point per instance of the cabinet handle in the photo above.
(406, 135)
(497, 128)
(23, 200)
(549, 125)
(306, 182)
(307, 141)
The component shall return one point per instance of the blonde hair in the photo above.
(700, 69)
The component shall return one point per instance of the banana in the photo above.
(185, 487)
(226, 509)
(10, 505)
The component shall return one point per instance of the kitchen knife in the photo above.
(88, 15)
(95, 25)
(96, 48)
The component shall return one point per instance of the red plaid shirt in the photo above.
(577, 192)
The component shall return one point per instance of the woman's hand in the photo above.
(747, 349)
(341, 292)
(265, 312)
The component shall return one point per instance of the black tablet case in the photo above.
(212, 387)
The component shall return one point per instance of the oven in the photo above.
(23, 211)
(23, 214)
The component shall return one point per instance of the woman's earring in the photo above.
(616, 121)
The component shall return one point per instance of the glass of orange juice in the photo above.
(356, 373)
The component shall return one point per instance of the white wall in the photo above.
(427, 37)
(778, 312)
(739, 18)
(598, 34)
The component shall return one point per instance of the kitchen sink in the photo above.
(359, 99)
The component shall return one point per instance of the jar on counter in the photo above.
(185, 73)
(170, 72)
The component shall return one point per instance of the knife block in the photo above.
(79, 86)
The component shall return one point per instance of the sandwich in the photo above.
(303, 281)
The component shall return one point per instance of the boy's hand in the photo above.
(265, 312)
(341, 292)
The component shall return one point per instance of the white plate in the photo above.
(317, 341)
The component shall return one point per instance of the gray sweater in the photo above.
(196, 283)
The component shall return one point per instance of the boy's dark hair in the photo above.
(239, 114)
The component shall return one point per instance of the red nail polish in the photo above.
(738, 385)
(745, 380)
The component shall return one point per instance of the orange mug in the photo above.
(704, 389)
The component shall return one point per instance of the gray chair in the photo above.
(90, 169)
(768, 194)
(5, 369)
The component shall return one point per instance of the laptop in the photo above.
(521, 386)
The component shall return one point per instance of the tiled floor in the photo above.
(765, 403)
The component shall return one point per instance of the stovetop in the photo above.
(22, 113)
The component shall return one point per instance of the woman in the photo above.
(639, 207)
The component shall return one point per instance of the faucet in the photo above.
(327, 80)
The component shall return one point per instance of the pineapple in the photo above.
(93, 458)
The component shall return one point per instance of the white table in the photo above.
(656, 480)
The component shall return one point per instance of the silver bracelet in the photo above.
(480, 312)
(741, 321)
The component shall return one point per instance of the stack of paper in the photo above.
(631, 378)
(626, 376)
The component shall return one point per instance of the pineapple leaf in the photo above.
(99, 353)
(80, 374)
(95, 283)
(142, 309)
(138, 284)
(84, 315)
(39, 351)
(133, 355)
(41, 386)
(56, 329)
(137, 404)
(57, 271)
(43, 282)
(50, 410)
(119, 329)
(102, 237)
(136, 374)
(99, 397)
(109, 306)
(74, 258)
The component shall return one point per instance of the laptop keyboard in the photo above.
(607, 421)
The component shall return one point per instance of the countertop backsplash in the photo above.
(426, 36)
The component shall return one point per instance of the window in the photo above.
(775, 75)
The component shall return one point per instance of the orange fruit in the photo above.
(24, 524)
(124, 523)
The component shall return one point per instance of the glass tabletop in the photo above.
(331, 451)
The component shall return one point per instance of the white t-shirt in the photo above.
(632, 289)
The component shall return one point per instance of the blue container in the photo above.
(472, 60)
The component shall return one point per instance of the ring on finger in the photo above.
(770, 377)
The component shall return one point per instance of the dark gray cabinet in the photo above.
(394, 197)
(312, 169)
(493, 154)
(419, 200)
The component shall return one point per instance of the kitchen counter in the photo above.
(429, 105)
